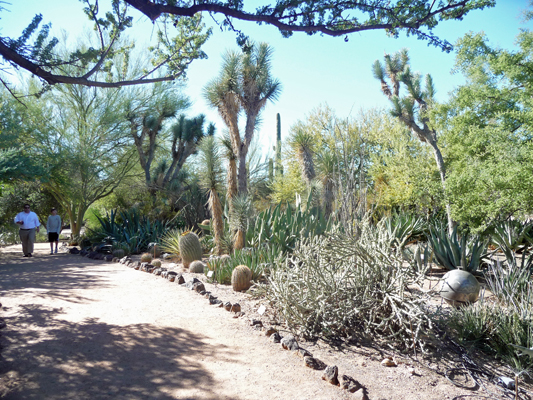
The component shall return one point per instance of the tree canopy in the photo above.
(34, 50)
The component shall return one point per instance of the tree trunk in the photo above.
(442, 171)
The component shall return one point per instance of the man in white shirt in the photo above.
(29, 224)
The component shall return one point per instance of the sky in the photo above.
(314, 70)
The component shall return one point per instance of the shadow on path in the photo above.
(60, 359)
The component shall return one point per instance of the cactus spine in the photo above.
(241, 278)
(190, 248)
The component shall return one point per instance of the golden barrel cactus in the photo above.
(241, 278)
(190, 248)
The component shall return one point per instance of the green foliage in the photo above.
(486, 127)
(128, 228)
(261, 261)
(340, 285)
(284, 226)
(455, 252)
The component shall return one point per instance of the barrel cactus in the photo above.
(241, 278)
(197, 267)
(156, 263)
(146, 257)
(119, 253)
(190, 248)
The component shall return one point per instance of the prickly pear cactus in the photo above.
(197, 267)
(146, 257)
(190, 248)
(156, 263)
(241, 278)
(119, 253)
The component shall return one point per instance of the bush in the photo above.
(340, 285)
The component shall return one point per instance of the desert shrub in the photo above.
(454, 251)
(341, 285)
(9, 234)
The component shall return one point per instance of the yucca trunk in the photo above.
(328, 197)
(215, 207)
(306, 164)
(232, 183)
(238, 242)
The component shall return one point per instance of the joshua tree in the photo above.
(210, 176)
(411, 109)
(245, 83)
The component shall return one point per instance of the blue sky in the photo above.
(313, 70)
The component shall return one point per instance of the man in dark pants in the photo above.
(29, 225)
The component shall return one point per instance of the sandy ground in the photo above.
(86, 329)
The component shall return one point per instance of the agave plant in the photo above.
(283, 227)
(512, 235)
(454, 252)
(404, 228)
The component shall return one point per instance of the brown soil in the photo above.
(85, 329)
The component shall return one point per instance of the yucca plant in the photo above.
(170, 241)
(239, 220)
(454, 252)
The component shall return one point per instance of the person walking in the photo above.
(29, 224)
(53, 227)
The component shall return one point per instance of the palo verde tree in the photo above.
(326, 17)
(177, 42)
(488, 131)
(411, 108)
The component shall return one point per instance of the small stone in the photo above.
(289, 343)
(349, 384)
(388, 362)
(236, 308)
(207, 294)
(215, 301)
(164, 274)
(74, 250)
(191, 283)
(180, 279)
(171, 276)
(314, 363)
(238, 314)
(275, 337)
(270, 331)
(211, 297)
(256, 322)
(202, 293)
(227, 306)
(303, 353)
(507, 382)
(198, 287)
(109, 257)
(330, 374)
(157, 271)
(221, 304)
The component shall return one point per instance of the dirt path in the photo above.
(85, 329)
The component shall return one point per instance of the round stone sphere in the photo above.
(459, 288)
